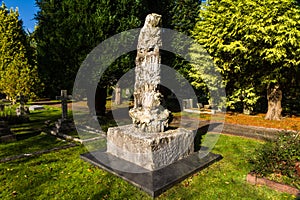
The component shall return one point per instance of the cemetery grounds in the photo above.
(39, 165)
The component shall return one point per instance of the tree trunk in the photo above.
(274, 96)
(100, 101)
(97, 107)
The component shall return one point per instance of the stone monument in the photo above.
(147, 113)
(147, 143)
(147, 153)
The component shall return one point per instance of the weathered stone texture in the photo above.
(151, 151)
(147, 113)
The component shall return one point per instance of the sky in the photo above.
(27, 9)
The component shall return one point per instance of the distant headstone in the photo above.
(247, 111)
(64, 124)
(118, 95)
(199, 105)
(207, 106)
(21, 110)
(127, 93)
(187, 103)
(64, 103)
(36, 107)
(18, 112)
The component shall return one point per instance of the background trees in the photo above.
(254, 45)
(18, 70)
(68, 30)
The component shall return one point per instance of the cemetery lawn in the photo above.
(63, 175)
(30, 135)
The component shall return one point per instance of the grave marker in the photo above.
(64, 97)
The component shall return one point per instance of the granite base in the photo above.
(152, 182)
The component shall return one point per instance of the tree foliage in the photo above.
(184, 15)
(69, 29)
(18, 72)
(255, 45)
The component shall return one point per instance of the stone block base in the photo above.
(151, 151)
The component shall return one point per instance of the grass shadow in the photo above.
(27, 135)
(201, 132)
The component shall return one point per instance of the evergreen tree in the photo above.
(18, 72)
(255, 45)
(184, 15)
(69, 29)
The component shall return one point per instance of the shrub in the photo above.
(279, 158)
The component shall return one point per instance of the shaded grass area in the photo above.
(29, 145)
(29, 135)
(37, 119)
(63, 175)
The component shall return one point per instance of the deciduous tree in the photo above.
(18, 72)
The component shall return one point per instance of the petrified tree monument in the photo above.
(146, 143)
(147, 113)
(145, 153)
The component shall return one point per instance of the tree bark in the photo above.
(98, 106)
(274, 96)
(100, 101)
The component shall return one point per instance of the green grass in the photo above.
(29, 144)
(63, 175)
(30, 137)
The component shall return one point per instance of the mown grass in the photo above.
(63, 175)
(30, 136)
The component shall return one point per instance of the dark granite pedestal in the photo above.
(152, 182)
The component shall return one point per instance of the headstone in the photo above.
(118, 95)
(187, 103)
(20, 111)
(64, 104)
(36, 107)
(63, 125)
(127, 93)
(207, 106)
(199, 105)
